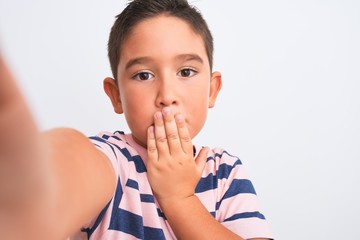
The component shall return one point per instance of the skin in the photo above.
(164, 89)
(44, 188)
(174, 76)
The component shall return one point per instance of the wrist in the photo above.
(202, 225)
(178, 208)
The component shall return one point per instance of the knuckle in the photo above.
(151, 149)
(172, 136)
(186, 138)
(161, 139)
(181, 124)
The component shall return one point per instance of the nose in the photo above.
(166, 94)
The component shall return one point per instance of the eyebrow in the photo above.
(189, 57)
(135, 61)
(180, 57)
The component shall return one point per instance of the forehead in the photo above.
(162, 36)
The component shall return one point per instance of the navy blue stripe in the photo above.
(127, 222)
(237, 186)
(98, 220)
(107, 143)
(116, 137)
(117, 198)
(210, 182)
(154, 233)
(225, 169)
(225, 152)
(113, 135)
(207, 183)
(161, 214)
(132, 183)
(245, 215)
(120, 132)
(148, 198)
(118, 194)
(139, 163)
(219, 155)
(210, 159)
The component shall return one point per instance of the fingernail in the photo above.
(158, 115)
(179, 117)
(151, 129)
(167, 111)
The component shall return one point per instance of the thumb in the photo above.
(201, 158)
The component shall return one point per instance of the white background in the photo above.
(289, 108)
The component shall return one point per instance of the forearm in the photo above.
(189, 219)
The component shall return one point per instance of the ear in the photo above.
(215, 87)
(112, 91)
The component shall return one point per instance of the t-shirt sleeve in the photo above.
(238, 205)
(108, 149)
(104, 143)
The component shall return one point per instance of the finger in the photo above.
(9, 92)
(151, 145)
(160, 135)
(201, 158)
(184, 134)
(171, 129)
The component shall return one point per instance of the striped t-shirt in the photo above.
(133, 212)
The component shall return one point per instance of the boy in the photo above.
(143, 185)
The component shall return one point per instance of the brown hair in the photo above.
(139, 10)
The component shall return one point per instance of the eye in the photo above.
(143, 76)
(187, 72)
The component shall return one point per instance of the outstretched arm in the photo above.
(22, 178)
(173, 175)
(46, 179)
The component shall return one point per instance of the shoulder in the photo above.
(222, 162)
(222, 156)
(221, 171)
(125, 157)
(116, 138)
(225, 172)
(114, 145)
(236, 203)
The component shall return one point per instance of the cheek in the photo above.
(200, 100)
(133, 102)
(138, 127)
(197, 113)
(138, 114)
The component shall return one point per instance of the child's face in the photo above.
(163, 63)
